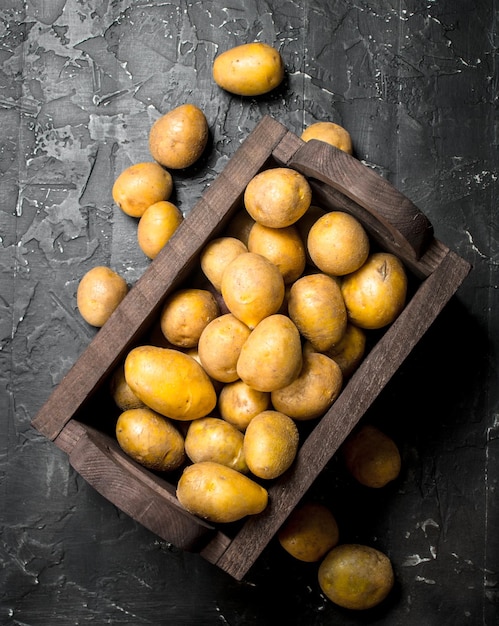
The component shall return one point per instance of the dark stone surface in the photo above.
(80, 83)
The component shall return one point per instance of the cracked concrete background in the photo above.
(415, 83)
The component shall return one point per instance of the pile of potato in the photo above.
(262, 338)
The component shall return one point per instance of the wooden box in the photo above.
(71, 417)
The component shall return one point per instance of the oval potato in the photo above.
(218, 493)
(170, 382)
(214, 439)
(251, 69)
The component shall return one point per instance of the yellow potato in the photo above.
(216, 255)
(310, 532)
(270, 444)
(99, 293)
(316, 306)
(277, 197)
(338, 243)
(282, 246)
(178, 138)
(219, 347)
(375, 294)
(330, 133)
(185, 314)
(313, 392)
(356, 577)
(219, 493)
(121, 393)
(271, 357)
(252, 288)
(150, 439)
(371, 456)
(350, 350)
(170, 382)
(156, 226)
(213, 439)
(141, 185)
(251, 69)
(238, 403)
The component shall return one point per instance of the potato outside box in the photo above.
(339, 182)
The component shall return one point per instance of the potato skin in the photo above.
(316, 306)
(170, 382)
(251, 69)
(313, 392)
(214, 439)
(99, 293)
(218, 493)
(150, 439)
(271, 357)
(140, 185)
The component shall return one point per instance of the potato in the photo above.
(252, 288)
(185, 314)
(238, 403)
(251, 69)
(355, 576)
(270, 444)
(156, 226)
(282, 246)
(141, 185)
(121, 393)
(216, 255)
(375, 294)
(371, 456)
(178, 138)
(219, 347)
(330, 133)
(150, 439)
(316, 306)
(271, 357)
(310, 532)
(338, 243)
(219, 493)
(99, 293)
(277, 197)
(350, 350)
(170, 382)
(313, 392)
(213, 439)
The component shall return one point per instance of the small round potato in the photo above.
(238, 403)
(185, 315)
(284, 247)
(220, 345)
(313, 392)
(214, 439)
(140, 185)
(150, 439)
(250, 69)
(330, 133)
(178, 138)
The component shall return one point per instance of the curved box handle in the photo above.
(375, 201)
(138, 493)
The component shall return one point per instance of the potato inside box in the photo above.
(79, 415)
